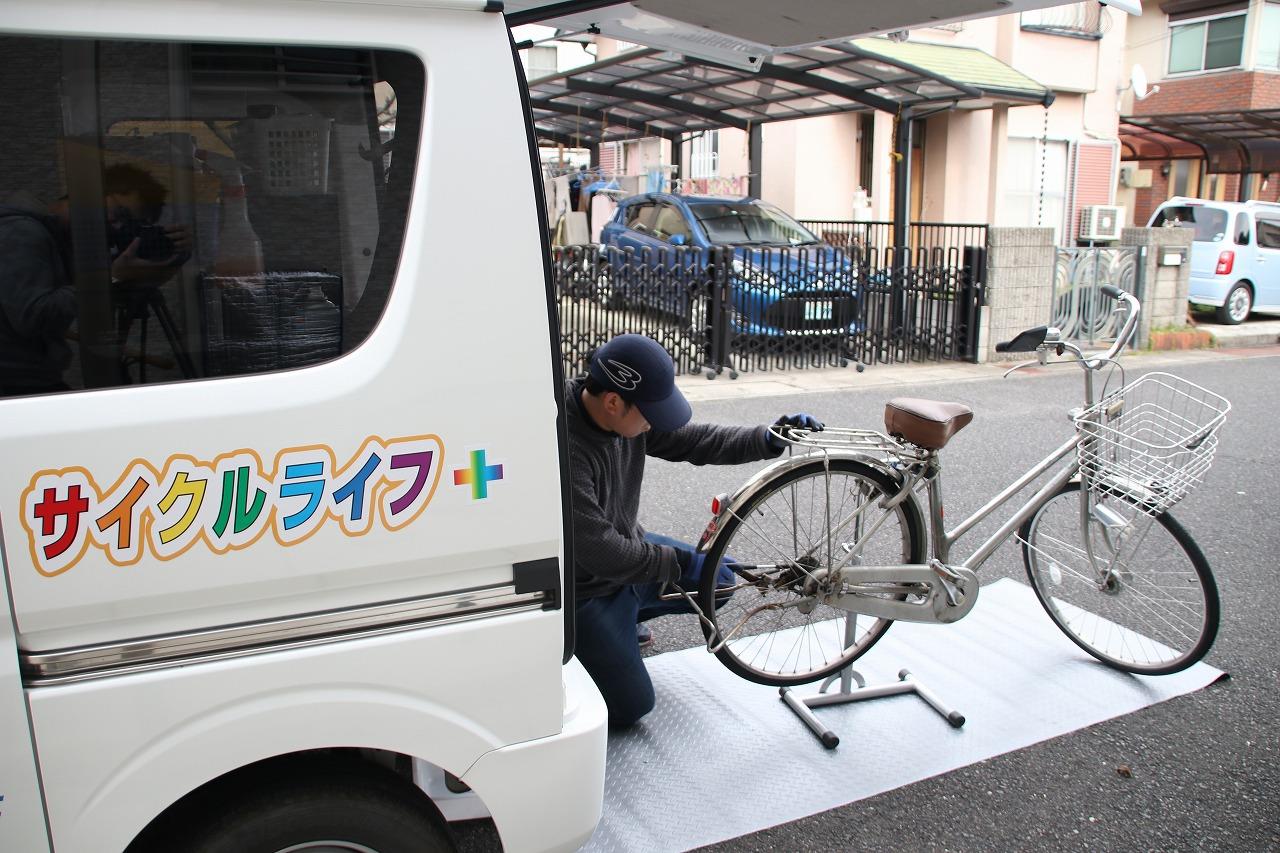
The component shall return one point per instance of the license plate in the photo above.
(817, 310)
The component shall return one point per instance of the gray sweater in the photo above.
(606, 472)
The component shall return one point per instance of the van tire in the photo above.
(338, 804)
(1239, 302)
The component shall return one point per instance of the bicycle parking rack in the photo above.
(803, 707)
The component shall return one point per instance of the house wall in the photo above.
(1147, 44)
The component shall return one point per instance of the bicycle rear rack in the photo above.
(843, 438)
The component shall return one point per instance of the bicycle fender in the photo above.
(731, 505)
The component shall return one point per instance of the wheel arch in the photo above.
(343, 762)
(246, 738)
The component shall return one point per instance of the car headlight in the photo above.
(753, 275)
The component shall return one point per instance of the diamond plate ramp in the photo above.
(720, 757)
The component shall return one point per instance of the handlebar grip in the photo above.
(1112, 291)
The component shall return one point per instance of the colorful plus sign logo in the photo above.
(477, 476)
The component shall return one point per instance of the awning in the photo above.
(650, 92)
(1232, 142)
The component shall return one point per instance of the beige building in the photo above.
(1005, 161)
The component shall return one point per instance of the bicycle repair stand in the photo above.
(848, 693)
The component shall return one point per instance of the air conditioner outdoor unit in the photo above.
(1101, 222)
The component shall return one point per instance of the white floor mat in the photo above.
(720, 757)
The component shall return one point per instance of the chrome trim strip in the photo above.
(61, 666)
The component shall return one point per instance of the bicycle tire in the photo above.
(752, 532)
(1101, 613)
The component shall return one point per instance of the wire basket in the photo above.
(1151, 441)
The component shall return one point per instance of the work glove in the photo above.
(800, 420)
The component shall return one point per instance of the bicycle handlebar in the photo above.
(1130, 322)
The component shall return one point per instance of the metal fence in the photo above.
(929, 242)
(771, 308)
(1079, 309)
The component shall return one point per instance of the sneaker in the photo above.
(644, 636)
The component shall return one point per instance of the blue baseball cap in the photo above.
(639, 371)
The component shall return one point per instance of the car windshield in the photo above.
(745, 223)
(1210, 224)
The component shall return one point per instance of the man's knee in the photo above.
(625, 712)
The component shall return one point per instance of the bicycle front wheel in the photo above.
(1132, 590)
(773, 625)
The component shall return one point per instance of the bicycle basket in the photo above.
(1151, 441)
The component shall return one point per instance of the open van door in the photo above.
(743, 33)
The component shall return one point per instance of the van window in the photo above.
(1268, 233)
(173, 211)
(1210, 224)
(1242, 229)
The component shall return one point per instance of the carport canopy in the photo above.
(651, 92)
(1237, 141)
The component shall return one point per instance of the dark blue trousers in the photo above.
(606, 636)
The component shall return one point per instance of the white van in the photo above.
(282, 514)
(283, 521)
(1235, 253)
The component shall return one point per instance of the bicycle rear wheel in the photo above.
(1144, 602)
(773, 626)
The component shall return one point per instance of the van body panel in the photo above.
(114, 752)
(22, 821)
(446, 370)
(573, 761)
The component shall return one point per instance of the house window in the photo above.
(1206, 44)
(704, 159)
(1269, 37)
(1035, 185)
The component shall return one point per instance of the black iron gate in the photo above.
(736, 309)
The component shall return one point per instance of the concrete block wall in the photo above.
(1020, 269)
(1165, 288)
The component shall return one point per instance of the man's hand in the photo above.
(800, 420)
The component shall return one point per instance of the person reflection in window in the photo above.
(37, 293)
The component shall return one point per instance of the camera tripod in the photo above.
(138, 303)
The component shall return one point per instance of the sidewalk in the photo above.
(1250, 333)
(773, 383)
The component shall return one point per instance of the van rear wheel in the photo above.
(310, 806)
(1238, 305)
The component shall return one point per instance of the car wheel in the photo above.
(323, 806)
(1236, 308)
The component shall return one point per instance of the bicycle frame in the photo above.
(949, 584)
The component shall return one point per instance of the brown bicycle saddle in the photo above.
(925, 423)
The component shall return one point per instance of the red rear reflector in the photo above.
(718, 503)
(1226, 260)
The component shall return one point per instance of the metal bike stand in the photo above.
(803, 707)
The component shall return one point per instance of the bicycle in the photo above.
(829, 545)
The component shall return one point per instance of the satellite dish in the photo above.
(1138, 80)
(1138, 83)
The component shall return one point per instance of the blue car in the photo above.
(783, 280)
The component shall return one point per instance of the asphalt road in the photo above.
(1205, 768)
